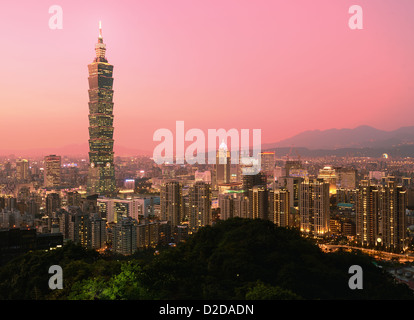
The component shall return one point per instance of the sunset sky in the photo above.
(280, 66)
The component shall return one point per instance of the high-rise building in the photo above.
(223, 164)
(125, 236)
(366, 212)
(314, 207)
(52, 203)
(52, 171)
(124, 208)
(101, 177)
(199, 205)
(392, 207)
(147, 235)
(79, 227)
(279, 207)
(241, 205)
(64, 223)
(267, 162)
(98, 231)
(113, 209)
(258, 202)
(106, 208)
(292, 184)
(234, 204)
(329, 174)
(251, 180)
(73, 198)
(226, 205)
(171, 200)
(381, 215)
(22, 170)
(164, 232)
(71, 175)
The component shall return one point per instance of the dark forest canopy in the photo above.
(234, 259)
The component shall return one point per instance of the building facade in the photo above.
(52, 171)
(171, 201)
(314, 207)
(199, 205)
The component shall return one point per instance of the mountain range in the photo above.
(359, 137)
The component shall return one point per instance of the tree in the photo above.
(263, 291)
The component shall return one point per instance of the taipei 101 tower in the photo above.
(101, 176)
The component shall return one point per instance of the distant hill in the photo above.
(393, 152)
(359, 137)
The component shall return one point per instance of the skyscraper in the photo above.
(267, 162)
(392, 205)
(52, 203)
(223, 163)
(314, 207)
(171, 200)
(52, 171)
(147, 235)
(199, 205)
(97, 231)
(279, 207)
(79, 227)
(380, 215)
(258, 202)
(22, 170)
(101, 179)
(367, 216)
(125, 236)
(292, 184)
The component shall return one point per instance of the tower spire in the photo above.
(100, 47)
(100, 29)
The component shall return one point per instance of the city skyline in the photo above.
(222, 66)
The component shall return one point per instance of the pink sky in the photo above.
(279, 66)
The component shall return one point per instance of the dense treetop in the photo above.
(234, 259)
